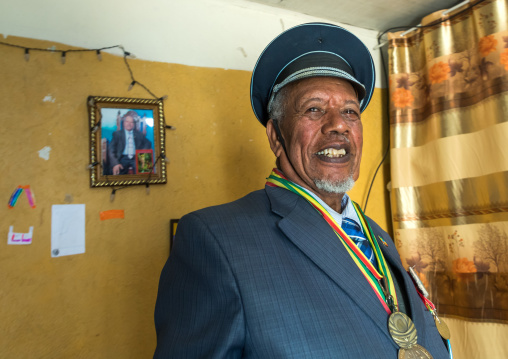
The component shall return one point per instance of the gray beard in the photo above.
(335, 187)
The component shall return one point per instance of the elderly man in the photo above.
(124, 144)
(296, 270)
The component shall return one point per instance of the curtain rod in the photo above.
(446, 12)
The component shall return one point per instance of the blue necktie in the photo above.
(354, 232)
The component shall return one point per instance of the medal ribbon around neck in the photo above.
(277, 179)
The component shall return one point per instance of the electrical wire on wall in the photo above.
(63, 58)
(133, 82)
(385, 74)
(408, 29)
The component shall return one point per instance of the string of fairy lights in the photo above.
(133, 82)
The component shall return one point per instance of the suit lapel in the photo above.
(135, 136)
(306, 228)
(123, 141)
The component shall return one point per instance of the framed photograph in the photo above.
(126, 141)
(172, 231)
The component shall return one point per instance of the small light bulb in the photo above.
(112, 197)
(92, 165)
(129, 55)
(131, 85)
(27, 55)
(96, 127)
(147, 188)
(63, 58)
(99, 55)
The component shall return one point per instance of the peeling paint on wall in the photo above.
(68, 198)
(44, 153)
(48, 98)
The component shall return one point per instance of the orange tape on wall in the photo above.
(111, 214)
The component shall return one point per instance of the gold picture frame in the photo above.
(124, 131)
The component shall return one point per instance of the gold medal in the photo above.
(442, 328)
(415, 352)
(403, 332)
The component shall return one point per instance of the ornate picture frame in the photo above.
(124, 134)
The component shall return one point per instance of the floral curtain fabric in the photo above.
(448, 87)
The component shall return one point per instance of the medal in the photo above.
(403, 332)
(441, 326)
(416, 352)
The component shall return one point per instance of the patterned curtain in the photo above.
(448, 86)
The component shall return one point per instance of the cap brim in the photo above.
(304, 39)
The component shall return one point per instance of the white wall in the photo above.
(209, 33)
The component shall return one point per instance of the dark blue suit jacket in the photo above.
(266, 277)
(118, 142)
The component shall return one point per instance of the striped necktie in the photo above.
(354, 231)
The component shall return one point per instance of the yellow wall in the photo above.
(100, 304)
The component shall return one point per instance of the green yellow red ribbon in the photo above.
(371, 273)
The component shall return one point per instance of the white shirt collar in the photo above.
(348, 211)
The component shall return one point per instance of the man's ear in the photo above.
(273, 139)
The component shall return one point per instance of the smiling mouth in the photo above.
(332, 153)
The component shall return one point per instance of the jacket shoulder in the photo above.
(247, 206)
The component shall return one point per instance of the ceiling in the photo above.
(376, 15)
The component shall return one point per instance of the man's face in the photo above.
(128, 123)
(323, 132)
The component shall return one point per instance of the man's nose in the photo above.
(335, 123)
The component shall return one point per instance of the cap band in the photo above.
(314, 72)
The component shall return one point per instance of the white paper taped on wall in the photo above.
(19, 238)
(67, 229)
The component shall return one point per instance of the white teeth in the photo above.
(332, 152)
